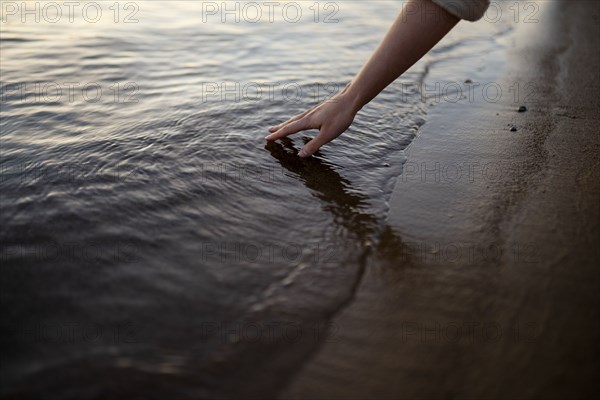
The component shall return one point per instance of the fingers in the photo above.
(311, 147)
(289, 129)
(281, 125)
(295, 118)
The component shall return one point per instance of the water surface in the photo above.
(152, 243)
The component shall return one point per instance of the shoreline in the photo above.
(488, 291)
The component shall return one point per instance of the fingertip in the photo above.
(303, 153)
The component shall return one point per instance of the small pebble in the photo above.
(522, 109)
(386, 165)
(513, 129)
(468, 81)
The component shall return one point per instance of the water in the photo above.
(153, 245)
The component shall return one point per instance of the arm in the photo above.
(420, 25)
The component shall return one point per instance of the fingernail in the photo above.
(302, 153)
(267, 137)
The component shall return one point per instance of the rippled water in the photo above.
(152, 244)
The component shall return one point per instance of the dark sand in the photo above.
(487, 285)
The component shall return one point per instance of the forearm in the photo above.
(420, 25)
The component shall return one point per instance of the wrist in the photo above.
(354, 97)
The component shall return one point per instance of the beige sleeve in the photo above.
(471, 10)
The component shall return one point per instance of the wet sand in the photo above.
(485, 283)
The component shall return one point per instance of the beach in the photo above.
(497, 295)
(154, 246)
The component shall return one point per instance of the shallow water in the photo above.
(152, 242)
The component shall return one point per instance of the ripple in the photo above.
(171, 213)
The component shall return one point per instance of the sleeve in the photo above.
(471, 10)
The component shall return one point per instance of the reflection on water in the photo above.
(134, 260)
(350, 209)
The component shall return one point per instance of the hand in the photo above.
(332, 117)
(409, 38)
